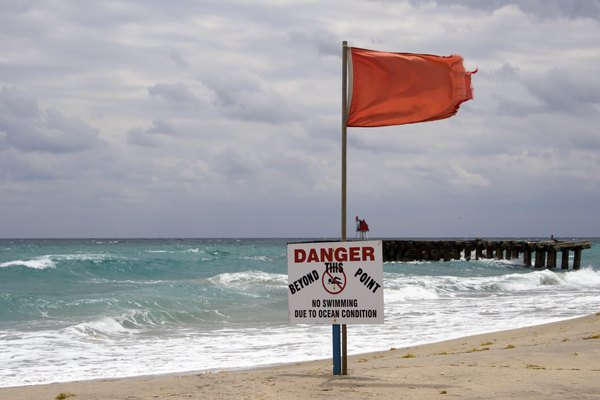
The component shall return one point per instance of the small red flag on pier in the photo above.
(404, 88)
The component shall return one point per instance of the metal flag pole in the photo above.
(344, 129)
(344, 366)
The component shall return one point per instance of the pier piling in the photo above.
(435, 250)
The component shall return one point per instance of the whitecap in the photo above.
(256, 258)
(92, 257)
(409, 293)
(529, 281)
(250, 283)
(43, 262)
(236, 279)
(583, 277)
(101, 327)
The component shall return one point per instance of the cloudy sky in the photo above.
(198, 118)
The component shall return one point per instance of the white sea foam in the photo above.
(256, 258)
(247, 279)
(51, 260)
(583, 277)
(104, 326)
(104, 348)
(239, 319)
(43, 262)
(92, 257)
(409, 293)
(163, 251)
(546, 278)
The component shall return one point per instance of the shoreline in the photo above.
(555, 360)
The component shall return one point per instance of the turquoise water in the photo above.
(85, 309)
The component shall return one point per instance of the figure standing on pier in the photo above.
(361, 228)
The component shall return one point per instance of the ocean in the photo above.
(105, 308)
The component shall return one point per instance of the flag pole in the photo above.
(344, 129)
(344, 178)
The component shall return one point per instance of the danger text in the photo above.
(338, 254)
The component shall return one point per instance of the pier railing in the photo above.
(540, 253)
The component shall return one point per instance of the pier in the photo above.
(536, 253)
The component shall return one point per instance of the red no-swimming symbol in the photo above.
(333, 281)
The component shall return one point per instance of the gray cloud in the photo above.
(324, 42)
(541, 8)
(175, 93)
(26, 127)
(247, 96)
(140, 118)
(563, 91)
(153, 135)
(178, 59)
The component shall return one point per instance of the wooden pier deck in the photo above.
(539, 253)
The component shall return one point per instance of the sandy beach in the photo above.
(552, 361)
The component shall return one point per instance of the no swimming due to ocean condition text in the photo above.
(335, 282)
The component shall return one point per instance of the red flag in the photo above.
(404, 88)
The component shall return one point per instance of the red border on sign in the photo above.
(334, 281)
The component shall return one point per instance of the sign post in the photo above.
(335, 283)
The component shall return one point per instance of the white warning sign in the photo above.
(335, 282)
